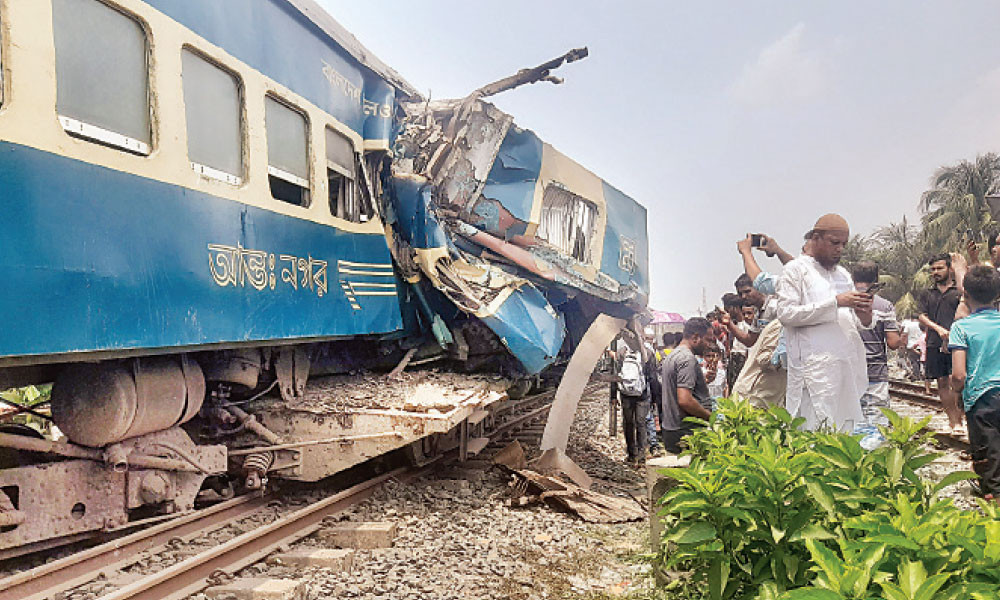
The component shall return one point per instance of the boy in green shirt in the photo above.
(975, 353)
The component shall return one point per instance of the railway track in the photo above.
(194, 573)
(913, 394)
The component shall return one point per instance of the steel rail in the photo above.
(914, 394)
(195, 573)
(47, 580)
(918, 398)
(532, 414)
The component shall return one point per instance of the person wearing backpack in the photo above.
(634, 394)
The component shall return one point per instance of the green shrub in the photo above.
(767, 511)
(28, 396)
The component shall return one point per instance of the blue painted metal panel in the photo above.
(96, 259)
(276, 40)
(530, 328)
(411, 201)
(626, 246)
(515, 172)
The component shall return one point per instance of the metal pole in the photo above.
(21, 442)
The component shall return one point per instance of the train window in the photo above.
(287, 153)
(347, 198)
(102, 74)
(214, 111)
(567, 222)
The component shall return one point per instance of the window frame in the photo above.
(205, 170)
(106, 137)
(350, 177)
(580, 204)
(358, 179)
(285, 176)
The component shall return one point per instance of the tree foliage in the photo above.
(955, 204)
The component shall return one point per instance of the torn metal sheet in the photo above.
(511, 306)
(511, 456)
(600, 334)
(528, 326)
(555, 460)
(592, 507)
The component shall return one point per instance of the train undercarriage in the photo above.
(146, 438)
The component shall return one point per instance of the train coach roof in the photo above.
(328, 25)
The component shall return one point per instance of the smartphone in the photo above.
(875, 288)
(757, 240)
(972, 235)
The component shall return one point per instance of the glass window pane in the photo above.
(286, 139)
(101, 68)
(339, 153)
(213, 109)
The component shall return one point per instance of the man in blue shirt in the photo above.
(975, 349)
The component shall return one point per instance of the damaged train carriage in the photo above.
(260, 203)
(516, 235)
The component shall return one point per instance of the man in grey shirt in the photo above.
(882, 336)
(685, 392)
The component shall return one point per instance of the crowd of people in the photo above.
(817, 339)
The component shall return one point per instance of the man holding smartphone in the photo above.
(883, 335)
(760, 280)
(822, 312)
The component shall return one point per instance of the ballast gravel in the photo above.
(459, 539)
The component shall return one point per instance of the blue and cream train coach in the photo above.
(185, 174)
(204, 200)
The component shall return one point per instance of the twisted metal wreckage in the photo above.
(505, 226)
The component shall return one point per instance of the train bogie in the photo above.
(93, 490)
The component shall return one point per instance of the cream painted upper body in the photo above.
(28, 113)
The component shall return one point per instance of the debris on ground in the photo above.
(593, 507)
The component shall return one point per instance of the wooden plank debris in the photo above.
(593, 507)
(511, 456)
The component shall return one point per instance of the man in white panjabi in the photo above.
(821, 313)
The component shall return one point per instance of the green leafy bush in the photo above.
(28, 396)
(767, 511)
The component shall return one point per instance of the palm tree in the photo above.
(897, 250)
(857, 249)
(957, 202)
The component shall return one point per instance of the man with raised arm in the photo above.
(760, 280)
(821, 312)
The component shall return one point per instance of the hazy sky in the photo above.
(723, 118)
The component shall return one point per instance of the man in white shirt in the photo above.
(821, 312)
(912, 336)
